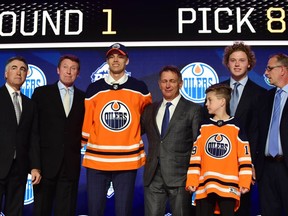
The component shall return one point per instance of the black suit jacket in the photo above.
(247, 109)
(264, 118)
(23, 137)
(174, 150)
(60, 136)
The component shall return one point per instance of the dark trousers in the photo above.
(157, 194)
(98, 183)
(245, 205)
(273, 189)
(206, 206)
(59, 193)
(12, 191)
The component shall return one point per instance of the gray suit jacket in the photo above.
(174, 150)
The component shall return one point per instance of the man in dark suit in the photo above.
(239, 60)
(19, 140)
(169, 152)
(271, 162)
(60, 140)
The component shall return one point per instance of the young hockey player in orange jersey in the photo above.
(220, 164)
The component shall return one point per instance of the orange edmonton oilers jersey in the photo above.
(111, 127)
(220, 161)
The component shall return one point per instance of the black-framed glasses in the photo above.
(270, 68)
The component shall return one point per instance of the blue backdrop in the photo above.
(145, 62)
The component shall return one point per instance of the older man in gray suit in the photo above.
(169, 148)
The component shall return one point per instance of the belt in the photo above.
(277, 158)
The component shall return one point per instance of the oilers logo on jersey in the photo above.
(218, 146)
(115, 116)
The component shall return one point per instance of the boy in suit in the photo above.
(239, 59)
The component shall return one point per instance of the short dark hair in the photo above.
(222, 91)
(239, 46)
(19, 58)
(173, 69)
(71, 57)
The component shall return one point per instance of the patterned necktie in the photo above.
(66, 102)
(274, 130)
(234, 98)
(16, 106)
(166, 119)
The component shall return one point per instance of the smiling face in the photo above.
(170, 84)
(68, 71)
(117, 64)
(15, 74)
(238, 65)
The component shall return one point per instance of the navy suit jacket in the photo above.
(174, 149)
(264, 118)
(23, 137)
(60, 136)
(247, 109)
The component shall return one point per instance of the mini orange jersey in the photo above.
(220, 161)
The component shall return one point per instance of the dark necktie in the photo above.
(274, 130)
(16, 106)
(234, 98)
(166, 119)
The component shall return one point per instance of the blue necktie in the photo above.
(274, 130)
(234, 99)
(166, 119)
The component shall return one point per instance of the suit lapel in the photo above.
(154, 115)
(7, 99)
(246, 94)
(58, 99)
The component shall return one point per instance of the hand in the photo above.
(36, 176)
(191, 189)
(243, 190)
(253, 175)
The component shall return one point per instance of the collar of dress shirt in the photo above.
(242, 81)
(11, 90)
(61, 86)
(285, 88)
(174, 101)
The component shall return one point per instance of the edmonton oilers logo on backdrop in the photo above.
(35, 78)
(102, 71)
(267, 80)
(197, 77)
(218, 146)
(115, 116)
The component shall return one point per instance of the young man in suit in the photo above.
(272, 150)
(169, 147)
(239, 60)
(19, 141)
(61, 113)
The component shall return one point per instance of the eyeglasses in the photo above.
(269, 68)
